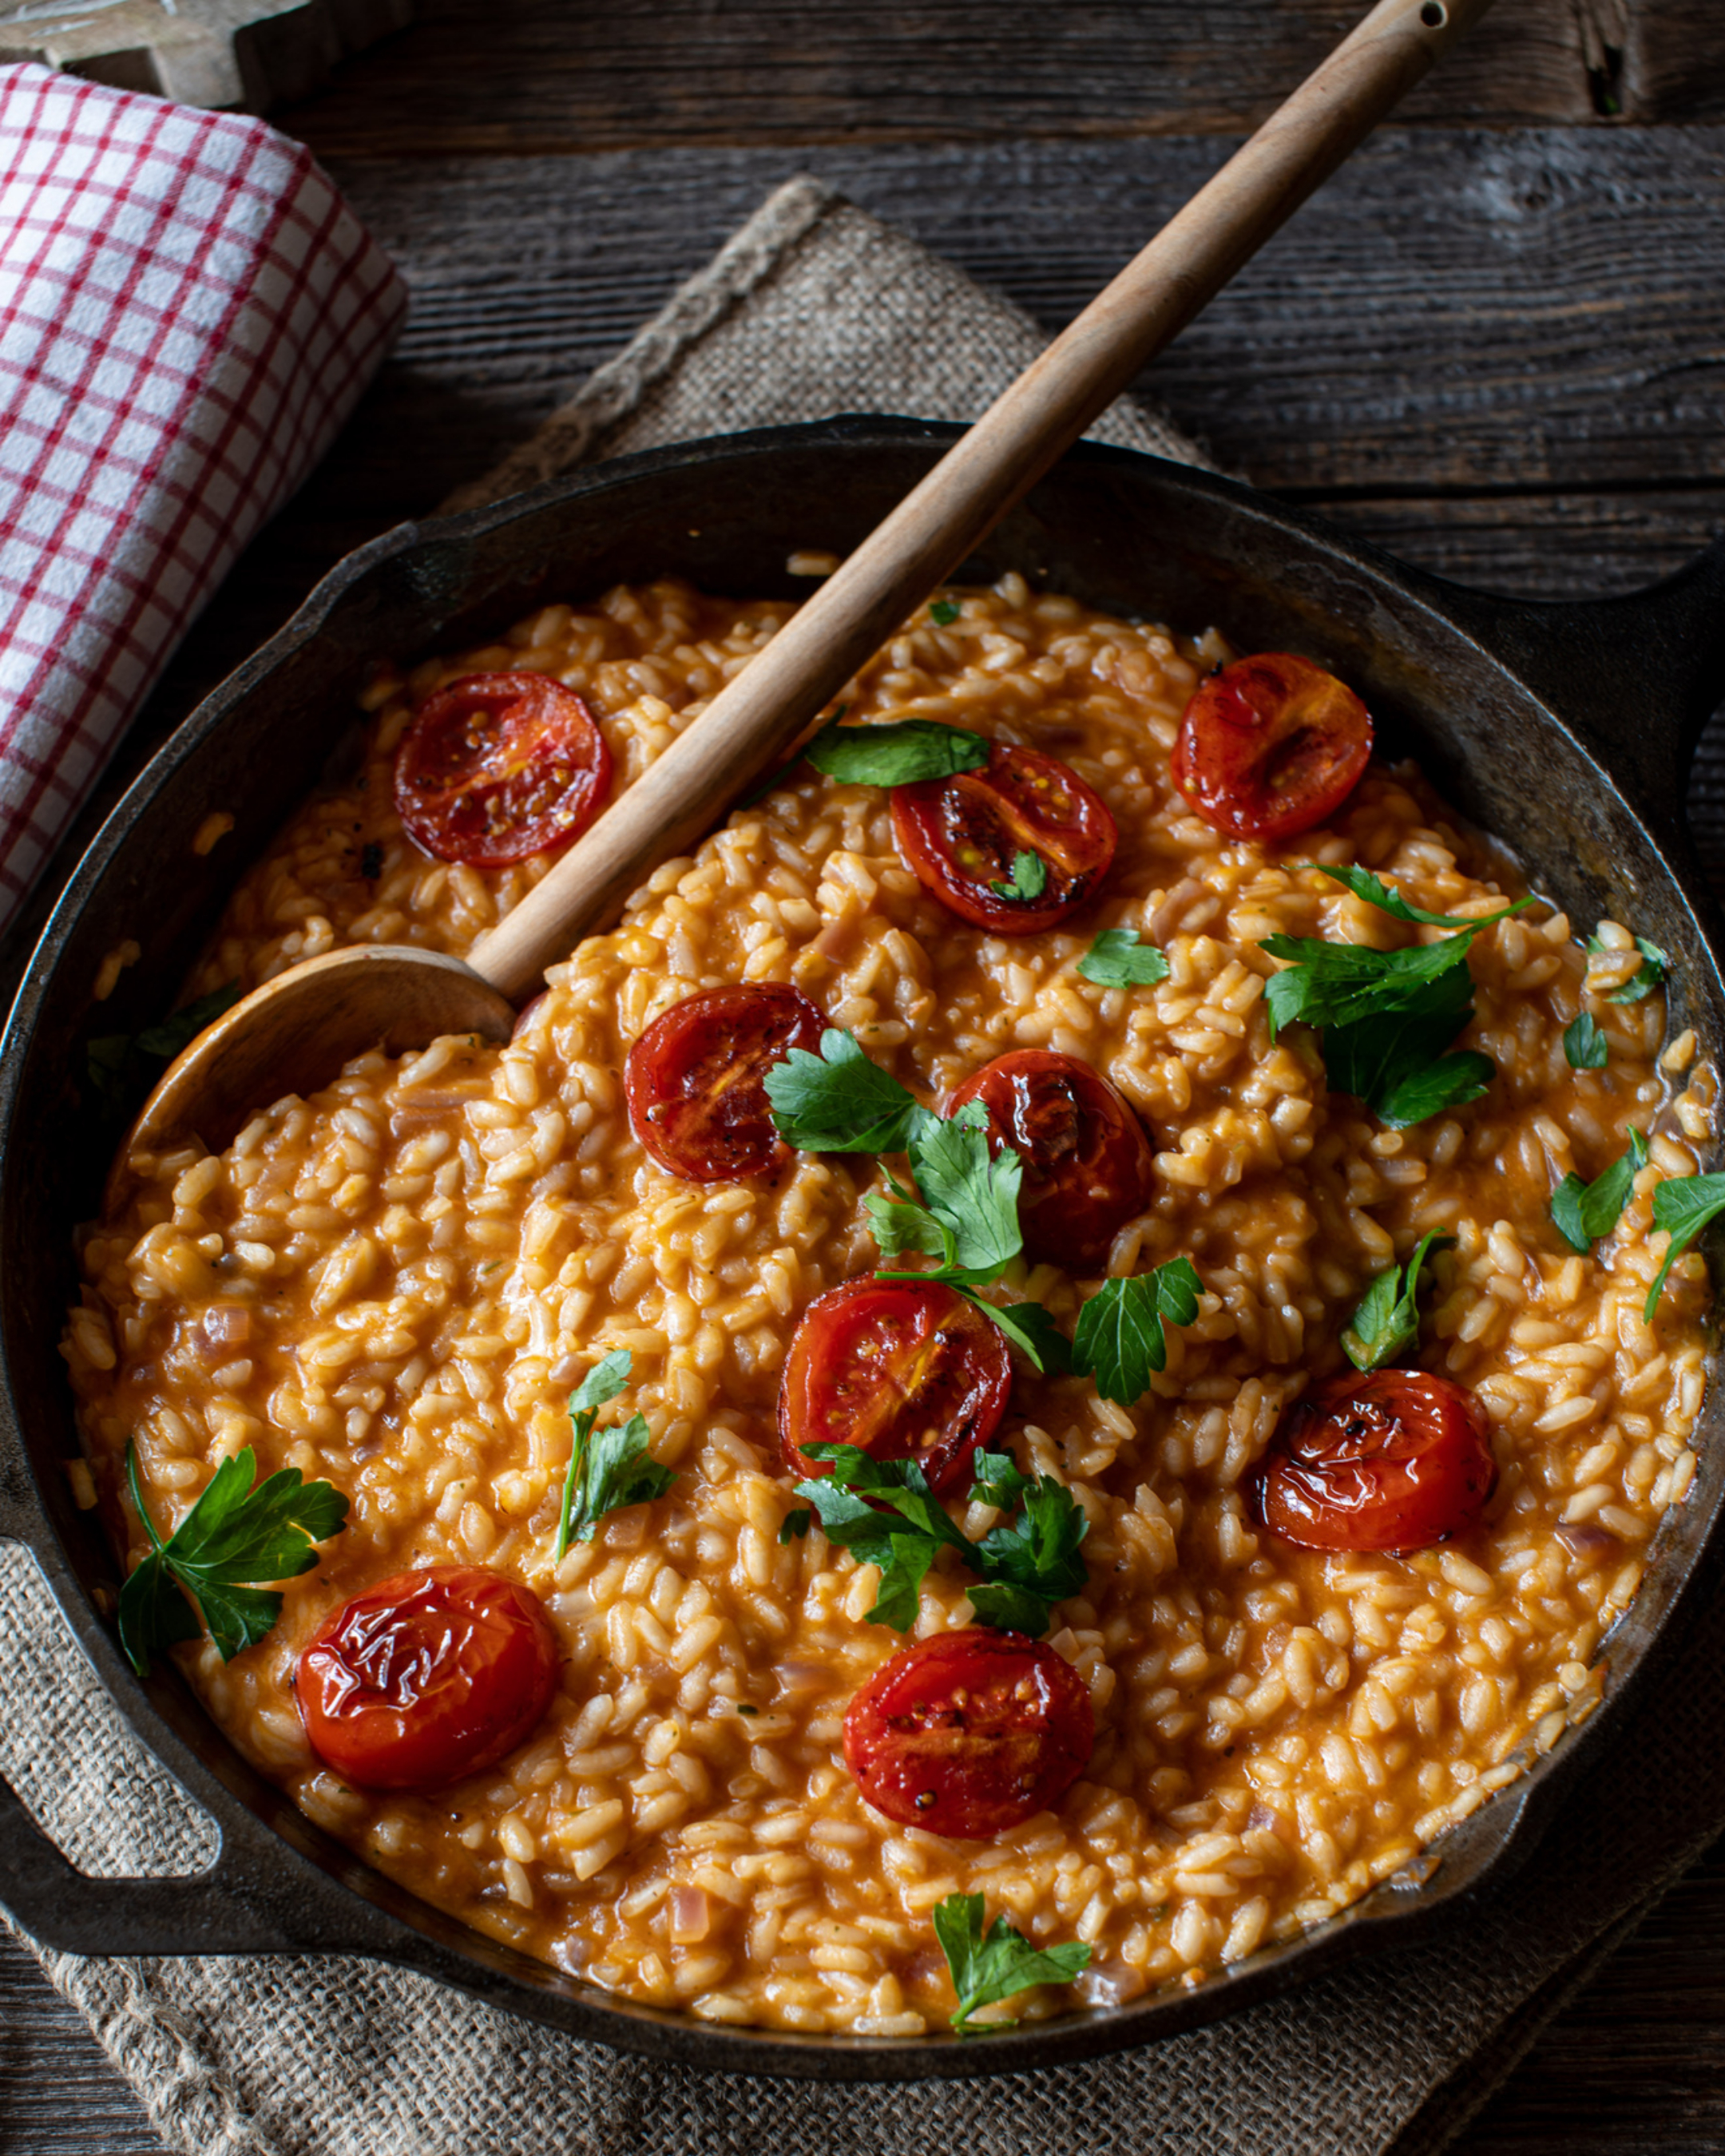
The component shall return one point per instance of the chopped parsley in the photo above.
(1119, 959)
(1583, 1212)
(841, 1101)
(1121, 1338)
(991, 1962)
(233, 1537)
(1649, 975)
(1386, 1017)
(944, 612)
(1386, 1322)
(1376, 892)
(1024, 1566)
(1029, 879)
(1585, 1047)
(611, 1471)
(895, 755)
(963, 1212)
(1682, 1207)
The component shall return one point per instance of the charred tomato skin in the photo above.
(960, 835)
(1270, 745)
(427, 1678)
(903, 1369)
(495, 767)
(695, 1079)
(1397, 1459)
(969, 1733)
(1088, 1165)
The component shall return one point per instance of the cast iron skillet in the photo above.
(1565, 729)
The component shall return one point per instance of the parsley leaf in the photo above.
(1026, 1565)
(841, 1101)
(1120, 1339)
(996, 1962)
(1386, 1321)
(1031, 1561)
(1649, 975)
(1682, 1207)
(970, 1192)
(1585, 1047)
(1584, 1211)
(944, 612)
(232, 1537)
(1029, 877)
(895, 755)
(122, 1065)
(1119, 959)
(1386, 1017)
(1331, 984)
(1365, 886)
(1032, 1331)
(611, 1471)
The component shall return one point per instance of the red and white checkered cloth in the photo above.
(188, 312)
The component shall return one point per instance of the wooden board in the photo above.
(1536, 315)
(637, 72)
(250, 54)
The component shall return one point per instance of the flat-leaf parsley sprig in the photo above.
(1682, 1207)
(1386, 1321)
(233, 1537)
(991, 1962)
(1583, 1212)
(611, 1469)
(1024, 1565)
(964, 1213)
(1386, 1017)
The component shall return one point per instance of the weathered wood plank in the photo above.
(645, 72)
(1634, 2065)
(58, 2095)
(1456, 309)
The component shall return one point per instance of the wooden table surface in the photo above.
(1495, 342)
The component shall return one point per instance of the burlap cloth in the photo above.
(813, 309)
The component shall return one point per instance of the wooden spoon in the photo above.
(295, 1032)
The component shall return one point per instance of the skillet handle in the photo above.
(1639, 675)
(256, 1897)
(66, 1910)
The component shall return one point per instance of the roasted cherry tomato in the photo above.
(426, 1677)
(1269, 745)
(499, 766)
(963, 835)
(696, 1080)
(903, 1369)
(969, 1733)
(1396, 1460)
(1087, 1162)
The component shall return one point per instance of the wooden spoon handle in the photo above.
(758, 716)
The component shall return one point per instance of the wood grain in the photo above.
(646, 72)
(1455, 309)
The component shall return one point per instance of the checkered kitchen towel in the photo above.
(188, 312)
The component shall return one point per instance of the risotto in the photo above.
(395, 1286)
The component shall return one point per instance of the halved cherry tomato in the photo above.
(1087, 1162)
(426, 1677)
(696, 1080)
(1269, 746)
(969, 1733)
(903, 1369)
(499, 766)
(1396, 1460)
(962, 835)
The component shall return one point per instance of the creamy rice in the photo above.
(430, 1254)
